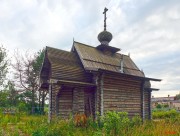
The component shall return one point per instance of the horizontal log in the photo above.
(129, 110)
(117, 90)
(117, 78)
(123, 83)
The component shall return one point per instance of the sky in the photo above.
(147, 29)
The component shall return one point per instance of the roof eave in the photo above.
(138, 77)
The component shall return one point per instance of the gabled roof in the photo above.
(94, 59)
(65, 65)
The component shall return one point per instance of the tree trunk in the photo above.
(39, 100)
(33, 102)
(43, 99)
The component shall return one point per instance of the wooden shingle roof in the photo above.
(94, 59)
(66, 66)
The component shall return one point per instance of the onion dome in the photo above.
(105, 37)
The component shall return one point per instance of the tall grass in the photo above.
(111, 124)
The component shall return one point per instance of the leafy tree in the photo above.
(166, 106)
(27, 72)
(3, 65)
(177, 97)
(24, 73)
(3, 72)
(159, 106)
(3, 99)
(9, 95)
(13, 94)
(37, 64)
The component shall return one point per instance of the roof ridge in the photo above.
(85, 44)
(95, 47)
(58, 49)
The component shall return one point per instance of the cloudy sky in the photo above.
(147, 29)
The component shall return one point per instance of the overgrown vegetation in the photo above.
(21, 90)
(111, 124)
(160, 114)
(3, 65)
(17, 99)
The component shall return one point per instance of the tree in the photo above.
(159, 106)
(3, 72)
(9, 95)
(27, 72)
(24, 74)
(3, 99)
(37, 64)
(166, 106)
(3, 65)
(12, 94)
(177, 97)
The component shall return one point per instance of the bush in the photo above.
(136, 121)
(115, 122)
(112, 124)
(165, 114)
(159, 106)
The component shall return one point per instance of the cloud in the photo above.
(148, 29)
(153, 41)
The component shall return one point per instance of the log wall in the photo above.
(147, 104)
(78, 101)
(55, 89)
(113, 93)
(89, 102)
(65, 103)
(122, 94)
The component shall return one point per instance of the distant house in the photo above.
(175, 104)
(170, 101)
(161, 100)
(90, 80)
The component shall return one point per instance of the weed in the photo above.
(111, 124)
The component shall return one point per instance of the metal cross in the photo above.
(105, 10)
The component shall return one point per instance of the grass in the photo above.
(111, 124)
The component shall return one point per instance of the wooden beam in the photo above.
(142, 101)
(71, 83)
(150, 114)
(133, 76)
(50, 104)
(96, 78)
(102, 94)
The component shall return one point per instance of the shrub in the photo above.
(112, 124)
(115, 122)
(136, 121)
(165, 114)
(159, 106)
